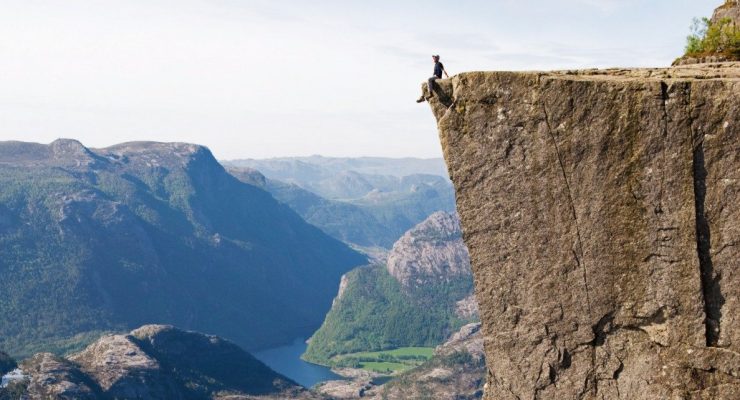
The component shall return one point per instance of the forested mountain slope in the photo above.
(110, 239)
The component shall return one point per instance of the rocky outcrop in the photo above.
(731, 10)
(467, 307)
(52, 377)
(357, 383)
(601, 209)
(157, 362)
(123, 370)
(468, 340)
(431, 251)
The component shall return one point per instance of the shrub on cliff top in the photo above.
(709, 38)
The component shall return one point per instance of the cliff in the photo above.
(601, 209)
(731, 10)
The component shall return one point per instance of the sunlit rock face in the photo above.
(602, 216)
(431, 251)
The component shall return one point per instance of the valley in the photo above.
(366, 202)
(104, 240)
(411, 300)
(386, 361)
(164, 207)
(251, 200)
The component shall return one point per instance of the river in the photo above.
(287, 361)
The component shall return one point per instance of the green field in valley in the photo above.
(386, 361)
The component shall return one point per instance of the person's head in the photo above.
(435, 58)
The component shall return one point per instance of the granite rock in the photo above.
(601, 209)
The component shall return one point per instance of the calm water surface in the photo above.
(287, 361)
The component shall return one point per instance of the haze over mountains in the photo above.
(310, 170)
(110, 239)
(368, 202)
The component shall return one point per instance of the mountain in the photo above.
(107, 239)
(347, 222)
(318, 168)
(364, 209)
(418, 299)
(430, 253)
(155, 362)
(602, 214)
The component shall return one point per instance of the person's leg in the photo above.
(430, 88)
(430, 84)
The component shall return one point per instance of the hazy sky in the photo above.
(253, 78)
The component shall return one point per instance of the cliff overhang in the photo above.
(601, 209)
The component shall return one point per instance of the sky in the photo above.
(270, 78)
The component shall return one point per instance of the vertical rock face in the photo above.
(731, 10)
(602, 214)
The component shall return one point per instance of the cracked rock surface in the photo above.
(601, 209)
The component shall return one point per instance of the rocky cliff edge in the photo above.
(601, 209)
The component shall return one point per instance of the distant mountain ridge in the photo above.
(350, 178)
(347, 222)
(109, 239)
(316, 167)
(357, 207)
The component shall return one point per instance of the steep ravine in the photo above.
(601, 209)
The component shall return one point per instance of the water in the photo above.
(287, 361)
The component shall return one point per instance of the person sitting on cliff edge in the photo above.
(438, 70)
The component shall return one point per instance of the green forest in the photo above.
(375, 313)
